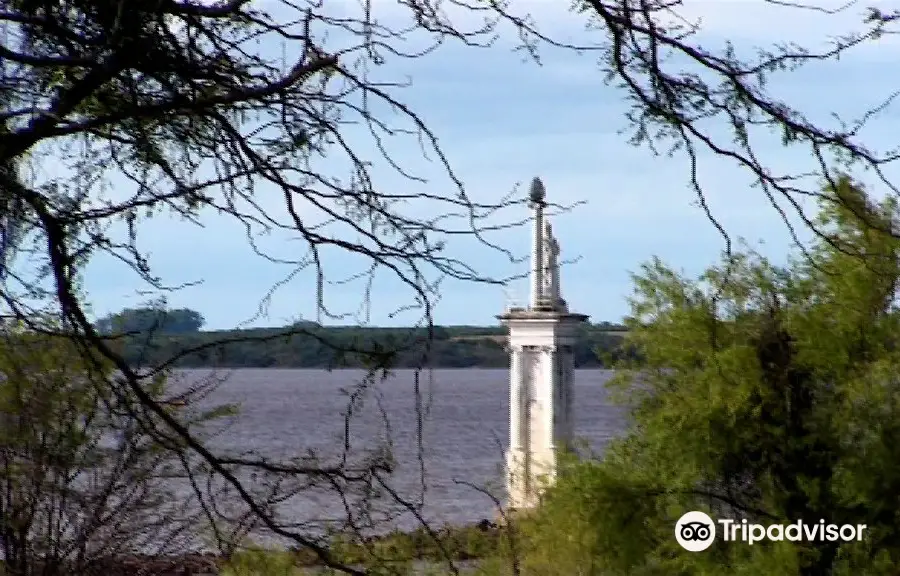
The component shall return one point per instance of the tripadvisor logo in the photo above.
(696, 531)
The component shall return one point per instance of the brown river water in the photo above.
(463, 431)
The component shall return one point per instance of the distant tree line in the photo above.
(147, 336)
(147, 320)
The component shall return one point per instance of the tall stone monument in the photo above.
(541, 337)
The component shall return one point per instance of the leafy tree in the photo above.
(764, 392)
(81, 481)
(12, 213)
(151, 320)
(188, 109)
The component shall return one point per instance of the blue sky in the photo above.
(502, 120)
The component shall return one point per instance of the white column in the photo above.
(561, 395)
(537, 260)
(548, 444)
(554, 271)
(515, 399)
(566, 387)
(518, 456)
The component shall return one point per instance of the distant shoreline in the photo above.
(357, 369)
(357, 348)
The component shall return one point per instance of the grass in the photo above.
(416, 552)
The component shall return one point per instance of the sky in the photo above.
(501, 120)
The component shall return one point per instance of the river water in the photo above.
(459, 440)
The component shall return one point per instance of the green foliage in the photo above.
(80, 479)
(761, 392)
(148, 320)
(262, 562)
(393, 553)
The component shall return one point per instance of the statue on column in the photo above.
(551, 265)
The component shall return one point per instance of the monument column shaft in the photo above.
(554, 274)
(537, 257)
(515, 399)
(549, 397)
